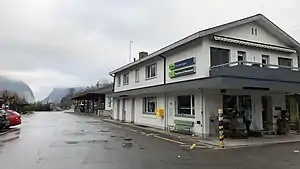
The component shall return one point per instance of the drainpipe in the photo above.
(202, 113)
(165, 116)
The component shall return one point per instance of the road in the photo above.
(56, 140)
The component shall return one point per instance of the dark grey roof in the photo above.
(261, 19)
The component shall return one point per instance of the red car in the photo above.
(14, 118)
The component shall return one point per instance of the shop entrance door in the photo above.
(267, 113)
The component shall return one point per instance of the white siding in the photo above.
(146, 119)
(245, 32)
(202, 62)
(143, 82)
(252, 54)
(172, 110)
(107, 107)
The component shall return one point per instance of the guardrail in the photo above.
(271, 66)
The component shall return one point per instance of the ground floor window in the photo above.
(110, 101)
(186, 105)
(234, 106)
(150, 104)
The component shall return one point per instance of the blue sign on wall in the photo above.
(182, 63)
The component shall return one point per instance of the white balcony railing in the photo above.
(257, 64)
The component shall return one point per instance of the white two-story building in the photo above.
(248, 63)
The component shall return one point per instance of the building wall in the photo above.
(171, 110)
(194, 50)
(252, 54)
(143, 82)
(149, 119)
(245, 32)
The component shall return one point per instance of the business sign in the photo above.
(182, 63)
(182, 72)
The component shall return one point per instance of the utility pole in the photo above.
(130, 42)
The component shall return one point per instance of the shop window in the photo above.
(234, 106)
(186, 105)
(218, 56)
(150, 104)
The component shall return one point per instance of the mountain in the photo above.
(58, 93)
(21, 88)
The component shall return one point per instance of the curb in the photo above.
(11, 130)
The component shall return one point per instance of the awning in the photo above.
(253, 44)
(94, 95)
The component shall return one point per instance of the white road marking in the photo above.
(163, 138)
(116, 125)
(131, 129)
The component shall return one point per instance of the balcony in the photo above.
(256, 71)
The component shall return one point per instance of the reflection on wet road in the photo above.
(59, 140)
(56, 140)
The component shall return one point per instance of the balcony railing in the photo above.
(256, 64)
(257, 71)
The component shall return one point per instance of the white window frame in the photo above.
(192, 106)
(119, 81)
(242, 54)
(148, 68)
(109, 101)
(267, 58)
(145, 104)
(137, 75)
(125, 79)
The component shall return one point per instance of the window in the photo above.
(110, 101)
(218, 56)
(241, 57)
(119, 81)
(151, 71)
(186, 105)
(149, 105)
(284, 62)
(265, 60)
(254, 31)
(137, 75)
(126, 79)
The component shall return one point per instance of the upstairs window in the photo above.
(137, 75)
(285, 62)
(126, 79)
(119, 80)
(241, 57)
(218, 56)
(151, 71)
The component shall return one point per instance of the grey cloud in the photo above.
(86, 39)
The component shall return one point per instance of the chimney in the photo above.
(143, 54)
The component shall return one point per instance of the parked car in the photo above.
(14, 118)
(4, 123)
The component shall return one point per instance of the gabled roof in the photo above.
(259, 18)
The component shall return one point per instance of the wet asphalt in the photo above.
(56, 140)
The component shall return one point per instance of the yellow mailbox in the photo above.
(160, 112)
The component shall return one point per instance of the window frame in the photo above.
(125, 75)
(110, 101)
(290, 59)
(137, 75)
(146, 104)
(149, 67)
(243, 54)
(267, 58)
(192, 106)
(221, 59)
(119, 80)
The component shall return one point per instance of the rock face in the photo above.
(57, 94)
(21, 88)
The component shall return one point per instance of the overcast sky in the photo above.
(58, 43)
